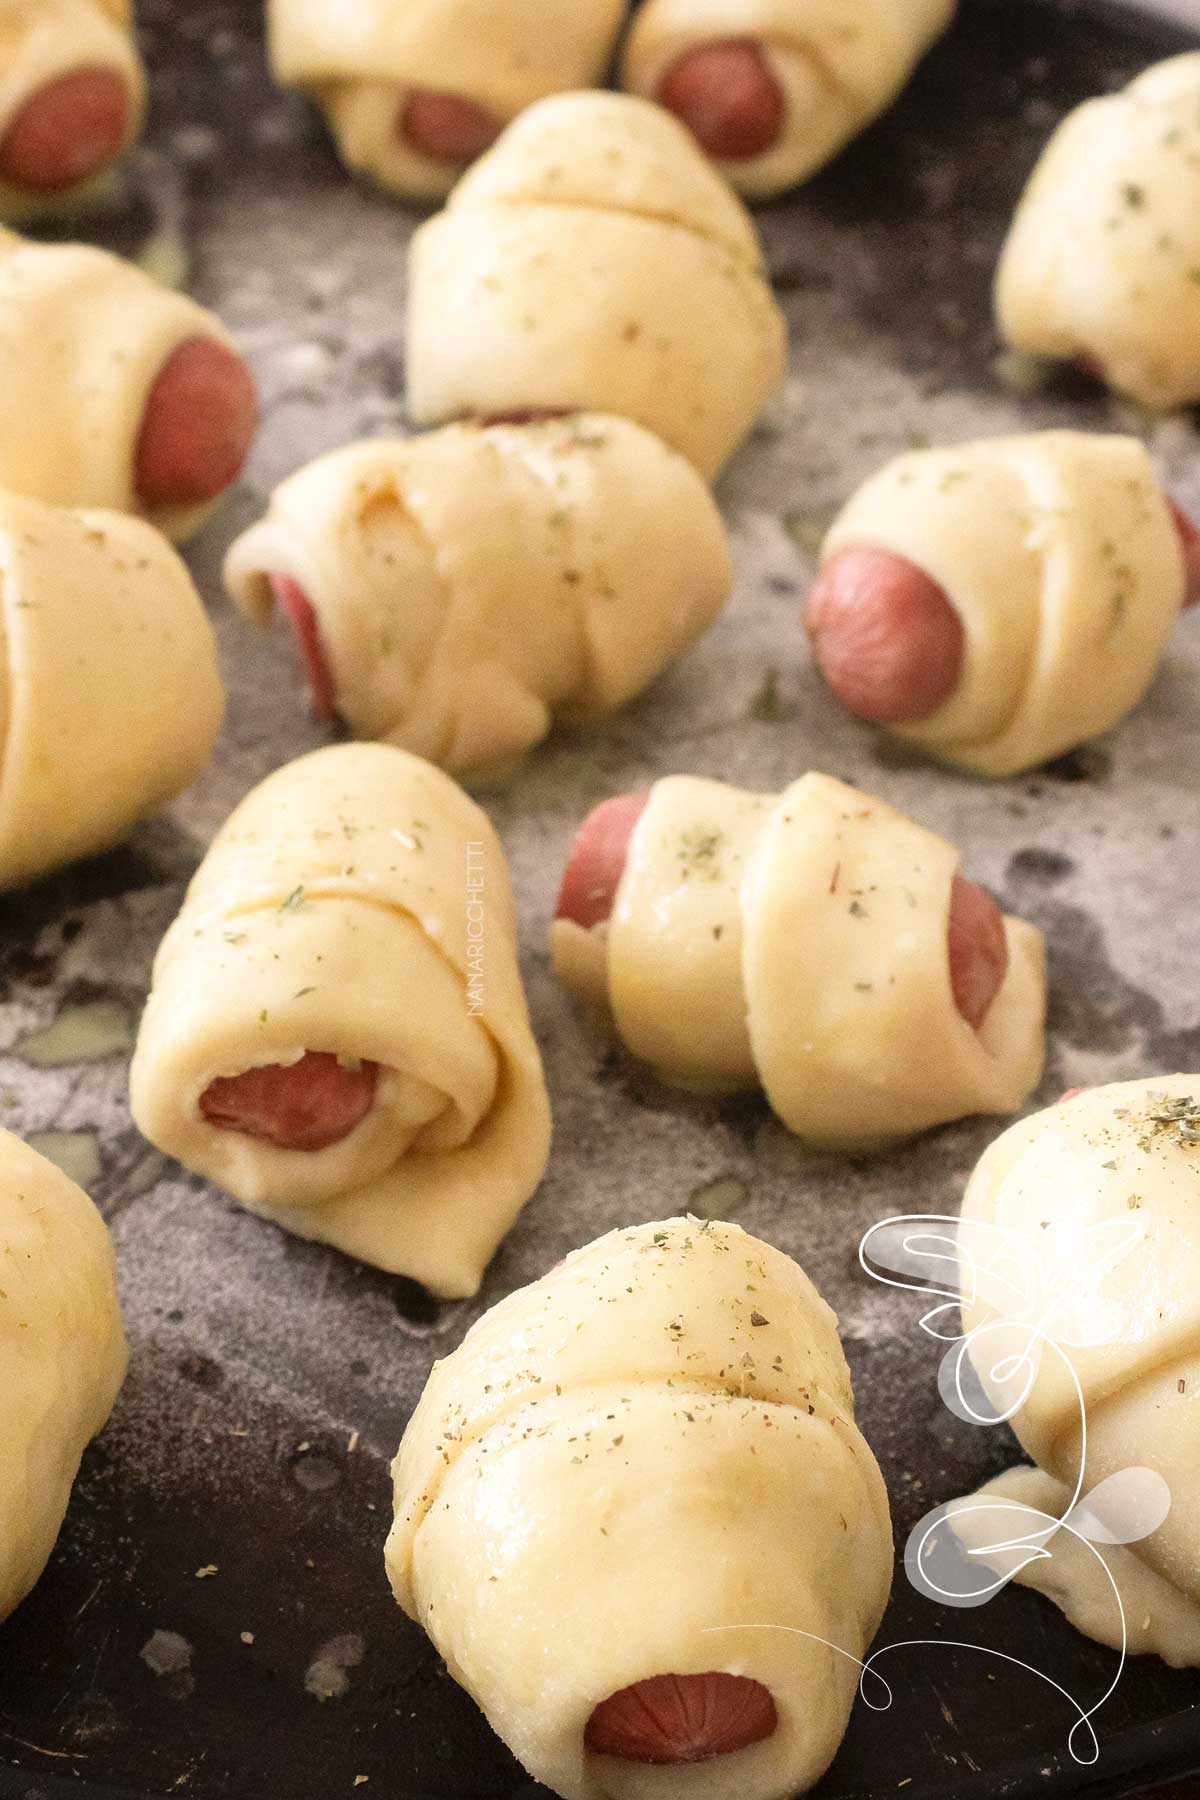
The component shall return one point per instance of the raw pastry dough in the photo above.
(62, 1350)
(800, 943)
(345, 908)
(110, 698)
(593, 259)
(83, 335)
(362, 58)
(840, 63)
(1060, 555)
(1158, 1619)
(1103, 259)
(472, 585)
(604, 1482)
(1084, 1221)
(41, 40)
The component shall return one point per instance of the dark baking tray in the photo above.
(255, 1357)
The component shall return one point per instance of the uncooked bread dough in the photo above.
(362, 58)
(336, 912)
(799, 942)
(42, 40)
(1103, 259)
(593, 260)
(83, 334)
(110, 697)
(1059, 553)
(470, 586)
(608, 1475)
(840, 63)
(1095, 1206)
(1158, 1620)
(62, 1350)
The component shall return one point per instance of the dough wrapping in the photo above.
(360, 60)
(1084, 1222)
(83, 334)
(357, 904)
(472, 585)
(110, 696)
(593, 260)
(799, 943)
(41, 40)
(603, 1484)
(1059, 553)
(62, 1349)
(1101, 262)
(839, 63)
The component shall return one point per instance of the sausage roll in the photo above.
(337, 1032)
(999, 602)
(72, 94)
(115, 391)
(1102, 264)
(773, 88)
(62, 1349)
(414, 93)
(454, 593)
(802, 943)
(593, 260)
(636, 1517)
(1095, 1203)
(110, 696)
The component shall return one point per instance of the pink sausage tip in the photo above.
(66, 131)
(680, 1719)
(308, 1105)
(727, 95)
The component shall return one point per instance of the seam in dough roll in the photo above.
(800, 943)
(110, 696)
(83, 334)
(838, 64)
(1083, 1222)
(362, 59)
(356, 906)
(593, 260)
(62, 1350)
(1102, 263)
(40, 42)
(470, 586)
(1060, 555)
(650, 1446)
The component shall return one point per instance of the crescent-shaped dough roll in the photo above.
(110, 696)
(353, 915)
(594, 261)
(833, 66)
(1081, 1228)
(368, 60)
(84, 335)
(801, 943)
(62, 47)
(472, 585)
(62, 1350)
(1061, 559)
(647, 1465)
(1102, 264)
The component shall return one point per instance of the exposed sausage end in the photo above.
(308, 1105)
(301, 615)
(885, 636)
(727, 95)
(677, 1719)
(446, 128)
(597, 860)
(66, 131)
(197, 427)
(978, 950)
